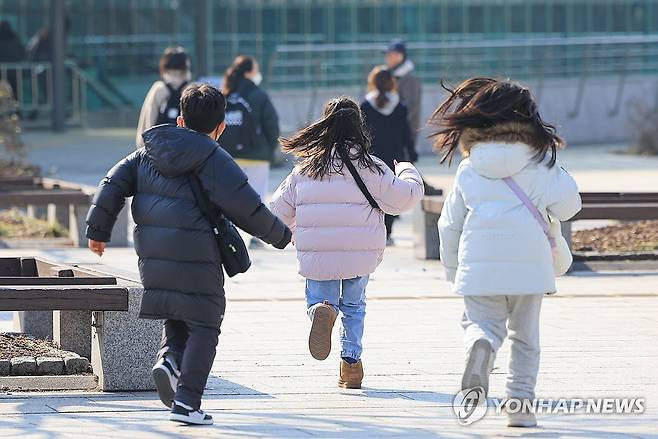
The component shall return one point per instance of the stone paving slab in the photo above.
(264, 383)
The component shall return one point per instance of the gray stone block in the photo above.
(426, 234)
(121, 228)
(47, 383)
(5, 367)
(38, 324)
(124, 347)
(72, 331)
(23, 366)
(50, 366)
(76, 365)
(77, 217)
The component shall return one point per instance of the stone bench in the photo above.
(86, 312)
(621, 206)
(60, 202)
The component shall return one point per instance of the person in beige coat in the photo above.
(162, 102)
(338, 227)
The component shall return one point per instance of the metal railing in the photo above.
(31, 83)
(336, 65)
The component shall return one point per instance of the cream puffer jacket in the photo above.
(490, 243)
(338, 235)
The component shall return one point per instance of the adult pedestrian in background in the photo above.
(387, 121)
(410, 89)
(408, 85)
(162, 102)
(252, 124)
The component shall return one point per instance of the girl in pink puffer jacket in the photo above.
(339, 228)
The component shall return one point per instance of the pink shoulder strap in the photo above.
(514, 186)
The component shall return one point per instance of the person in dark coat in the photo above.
(386, 118)
(179, 261)
(242, 80)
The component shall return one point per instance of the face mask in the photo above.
(257, 78)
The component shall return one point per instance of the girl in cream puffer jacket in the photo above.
(492, 247)
(340, 238)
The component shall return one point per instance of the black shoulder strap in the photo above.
(202, 201)
(171, 89)
(359, 182)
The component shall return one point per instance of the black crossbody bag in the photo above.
(359, 182)
(233, 251)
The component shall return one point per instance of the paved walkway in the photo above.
(598, 337)
(85, 155)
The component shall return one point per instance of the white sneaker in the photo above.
(478, 366)
(184, 413)
(521, 419)
(166, 375)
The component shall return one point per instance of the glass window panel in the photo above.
(638, 17)
(410, 19)
(343, 23)
(388, 20)
(600, 17)
(559, 24)
(475, 19)
(454, 18)
(431, 19)
(318, 27)
(518, 20)
(619, 17)
(538, 18)
(294, 20)
(496, 17)
(365, 20)
(580, 22)
(246, 22)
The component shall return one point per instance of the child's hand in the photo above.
(97, 247)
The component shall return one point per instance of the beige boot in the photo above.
(521, 417)
(319, 339)
(351, 375)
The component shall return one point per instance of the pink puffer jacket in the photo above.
(338, 235)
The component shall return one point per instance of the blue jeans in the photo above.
(351, 302)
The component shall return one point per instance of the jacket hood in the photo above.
(500, 150)
(393, 101)
(176, 151)
(500, 160)
(403, 69)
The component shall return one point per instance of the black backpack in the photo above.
(170, 111)
(238, 137)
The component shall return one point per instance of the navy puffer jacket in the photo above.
(179, 261)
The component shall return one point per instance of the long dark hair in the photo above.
(382, 80)
(482, 103)
(317, 145)
(236, 71)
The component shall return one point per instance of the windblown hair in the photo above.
(341, 130)
(483, 107)
(236, 71)
(382, 80)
